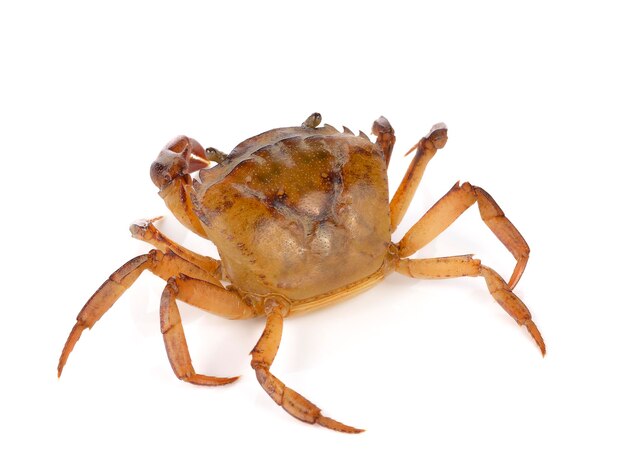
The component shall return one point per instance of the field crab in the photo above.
(301, 218)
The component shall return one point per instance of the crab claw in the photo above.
(179, 157)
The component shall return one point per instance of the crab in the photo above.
(301, 218)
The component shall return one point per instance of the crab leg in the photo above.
(425, 150)
(459, 266)
(145, 230)
(163, 265)
(263, 355)
(458, 199)
(206, 296)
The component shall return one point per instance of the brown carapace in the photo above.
(301, 218)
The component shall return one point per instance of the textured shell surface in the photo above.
(297, 211)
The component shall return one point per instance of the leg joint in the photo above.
(171, 285)
(259, 364)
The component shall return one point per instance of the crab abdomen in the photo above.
(297, 212)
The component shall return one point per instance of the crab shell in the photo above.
(297, 211)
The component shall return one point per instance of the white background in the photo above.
(438, 374)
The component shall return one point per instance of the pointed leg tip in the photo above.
(223, 381)
(536, 334)
(541, 345)
(518, 271)
(203, 380)
(60, 369)
(60, 366)
(337, 426)
(75, 334)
